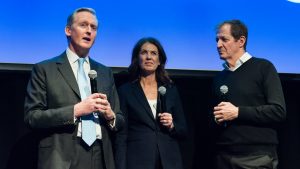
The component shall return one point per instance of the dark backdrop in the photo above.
(18, 145)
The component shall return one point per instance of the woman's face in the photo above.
(149, 58)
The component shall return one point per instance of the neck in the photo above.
(149, 85)
(148, 80)
(232, 60)
(80, 52)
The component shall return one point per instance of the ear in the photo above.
(68, 30)
(242, 41)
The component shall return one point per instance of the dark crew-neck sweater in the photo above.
(256, 90)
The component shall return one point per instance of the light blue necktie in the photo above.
(88, 132)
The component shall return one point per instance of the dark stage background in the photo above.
(18, 145)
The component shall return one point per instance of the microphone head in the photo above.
(162, 90)
(92, 74)
(223, 89)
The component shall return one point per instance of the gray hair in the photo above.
(83, 9)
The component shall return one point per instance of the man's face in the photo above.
(227, 46)
(82, 32)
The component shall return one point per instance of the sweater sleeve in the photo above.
(273, 111)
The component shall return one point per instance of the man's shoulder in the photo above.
(257, 60)
(99, 65)
(221, 73)
(59, 58)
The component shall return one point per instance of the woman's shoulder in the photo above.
(127, 86)
(171, 87)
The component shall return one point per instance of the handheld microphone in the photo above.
(92, 76)
(162, 91)
(224, 91)
(162, 100)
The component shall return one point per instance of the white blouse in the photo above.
(153, 105)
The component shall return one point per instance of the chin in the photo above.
(86, 44)
(86, 47)
(148, 71)
(223, 57)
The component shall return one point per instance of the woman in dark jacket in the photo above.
(154, 120)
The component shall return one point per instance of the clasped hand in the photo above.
(94, 103)
(225, 111)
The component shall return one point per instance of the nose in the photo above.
(148, 55)
(219, 44)
(89, 29)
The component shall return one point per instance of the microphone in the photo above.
(92, 76)
(162, 91)
(162, 100)
(224, 91)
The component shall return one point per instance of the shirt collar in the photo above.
(244, 58)
(73, 57)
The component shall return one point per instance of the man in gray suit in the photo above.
(56, 104)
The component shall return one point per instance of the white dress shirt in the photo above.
(244, 58)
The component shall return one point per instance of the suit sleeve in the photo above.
(115, 104)
(121, 136)
(36, 111)
(180, 127)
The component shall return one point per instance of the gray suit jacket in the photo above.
(51, 95)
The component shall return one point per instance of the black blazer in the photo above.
(51, 95)
(137, 143)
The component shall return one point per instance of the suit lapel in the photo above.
(140, 96)
(65, 69)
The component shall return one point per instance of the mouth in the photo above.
(220, 52)
(148, 63)
(86, 39)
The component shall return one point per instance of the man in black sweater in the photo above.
(249, 104)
